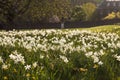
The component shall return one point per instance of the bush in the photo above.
(78, 14)
(84, 12)
(89, 9)
(113, 15)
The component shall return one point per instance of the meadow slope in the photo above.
(66, 54)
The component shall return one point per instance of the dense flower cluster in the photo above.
(17, 57)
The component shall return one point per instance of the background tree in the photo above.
(78, 14)
(11, 9)
(83, 12)
(43, 10)
(89, 9)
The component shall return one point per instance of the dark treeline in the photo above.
(33, 12)
(76, 24)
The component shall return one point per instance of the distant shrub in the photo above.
(84, 12)
(118, 14)
(110, 16)
(78, 14)
(89, 9)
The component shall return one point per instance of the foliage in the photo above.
(81, 2)
(78, 14)
(113, 15)
(14, 11)
(118, 15)
(89, 9)
(70, 54)
(84, 12)
(42, 10)
(11, 9)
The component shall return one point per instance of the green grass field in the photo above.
(61, 54)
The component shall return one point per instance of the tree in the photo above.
(89, 9)
(43, 10)
(11, 9)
